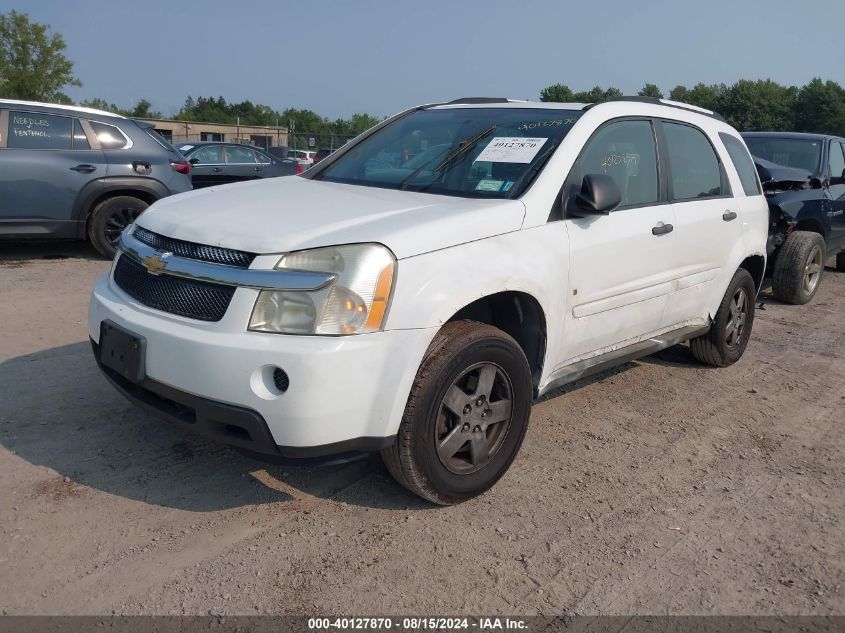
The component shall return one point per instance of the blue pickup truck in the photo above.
(803, 177)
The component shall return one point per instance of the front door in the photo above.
(620, 263)
(836, 192)
(207, 166)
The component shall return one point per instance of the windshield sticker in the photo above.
(511, 149)
(489, 185)
(506, 187)
(185, 148)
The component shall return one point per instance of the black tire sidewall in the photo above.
(510, 358)
(102, 212)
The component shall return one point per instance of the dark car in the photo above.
(803, 177)
(321, 154)
(216, 163)
(78, 173)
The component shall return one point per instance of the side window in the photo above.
(625, 151)
(693, 164)
(29, 130)
(837, 160)
(80, 140)
(239, 155)
(743, 163)
(110, 137)
(209, 155)
(263, 158)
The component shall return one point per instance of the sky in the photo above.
(379, 56)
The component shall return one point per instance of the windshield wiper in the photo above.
(462, 148)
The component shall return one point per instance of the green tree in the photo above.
(700, 95)
(559, 93)
(820, 107)
(102, 104)
(142, 111)
(758, 105)
(32, 63)
(650, 90)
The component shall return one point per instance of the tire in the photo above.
(728, 337)
(798, 267)
(451, 401)
(840, 262)
(109, 218)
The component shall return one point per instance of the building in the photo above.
(185, 131)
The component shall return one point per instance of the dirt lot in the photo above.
(660, 487)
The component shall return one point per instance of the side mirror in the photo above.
(838, 181)
(194, 161)
(599, 195)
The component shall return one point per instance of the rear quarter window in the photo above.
(743, 163)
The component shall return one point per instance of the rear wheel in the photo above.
(798, 268)
(728, 337)
(109, 218)
(466, 416)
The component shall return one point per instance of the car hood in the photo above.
(278, 215)
(776, 177)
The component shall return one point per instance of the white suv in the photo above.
(415, 291)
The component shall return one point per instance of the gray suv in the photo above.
(77, 173)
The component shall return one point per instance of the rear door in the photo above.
(708, 221)
(207, 166)
(241, 163)
(836, 190)
(45, 160)
(619, 263)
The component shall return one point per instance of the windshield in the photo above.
(801, 153)
(470, 152)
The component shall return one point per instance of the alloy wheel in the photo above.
(118, 221)
(813, 270)
(474, 418)
(737, 317)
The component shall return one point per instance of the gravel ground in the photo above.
(659, 487)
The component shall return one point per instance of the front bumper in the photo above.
(346, 394)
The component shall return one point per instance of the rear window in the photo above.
(743, 163)
(29, 130)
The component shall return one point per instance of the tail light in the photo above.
(299, 169)
(181, 166)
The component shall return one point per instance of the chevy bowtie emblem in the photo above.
(155, 264)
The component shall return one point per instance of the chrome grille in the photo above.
(190, 250)
(193, 299)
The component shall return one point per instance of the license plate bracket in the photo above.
(123, 351)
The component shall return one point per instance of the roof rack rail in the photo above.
(477, 100)
(665, 102)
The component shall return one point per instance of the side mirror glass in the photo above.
(599, 195)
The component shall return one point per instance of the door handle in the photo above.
(217, 169)
(662, 229)
(727, 216)
(84, 169)
(256, 169)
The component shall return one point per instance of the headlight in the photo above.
(354, 303)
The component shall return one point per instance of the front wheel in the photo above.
(466, 415)
(798, 267)
(728, 337)
(109, 218)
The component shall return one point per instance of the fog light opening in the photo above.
(280, 379)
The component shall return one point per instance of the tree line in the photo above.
(748, 105)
